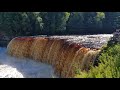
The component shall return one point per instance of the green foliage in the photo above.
(111, 20)
(99, 19)
(100, 15)
(52, 23)
(55, 22)
(89, 19)
(109, 66)
(75, 22)
(117, 21)
(20, 23)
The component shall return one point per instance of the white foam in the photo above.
(11, 67)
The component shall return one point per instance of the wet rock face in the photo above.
(117, 34)
(4, 40)
(116, 37)
(3, 43)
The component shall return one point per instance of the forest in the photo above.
(58, 23)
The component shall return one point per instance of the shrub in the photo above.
(109, 66)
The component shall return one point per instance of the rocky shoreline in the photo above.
(4, 43)
(4, 40)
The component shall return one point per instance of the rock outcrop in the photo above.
(116, 38)
(4, 40)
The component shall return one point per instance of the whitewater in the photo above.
(11, 67)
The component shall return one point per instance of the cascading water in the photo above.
(65, 53)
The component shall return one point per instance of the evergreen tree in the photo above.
(75, 22)
(116, 22)
(89, 20)
(55, 22)
(51, 23)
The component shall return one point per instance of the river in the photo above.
(11, 67)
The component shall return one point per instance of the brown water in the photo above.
(65, 53)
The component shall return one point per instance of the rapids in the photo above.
(12, 67)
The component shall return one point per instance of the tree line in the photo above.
(58, 23)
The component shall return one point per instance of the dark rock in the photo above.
(116, 38)
(4, 43)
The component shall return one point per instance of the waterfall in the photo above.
(63, 54)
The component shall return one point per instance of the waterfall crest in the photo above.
(66, 56)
